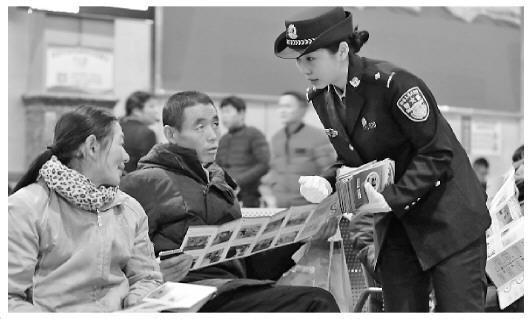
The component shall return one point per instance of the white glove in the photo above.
(314, 188)
(376, 201)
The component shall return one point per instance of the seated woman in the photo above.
(76, 242)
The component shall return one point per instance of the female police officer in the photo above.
(430, 225)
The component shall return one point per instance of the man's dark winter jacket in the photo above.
(176, 193)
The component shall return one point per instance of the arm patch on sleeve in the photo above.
(414, 105)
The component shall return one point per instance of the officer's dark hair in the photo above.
(136, 101)
(236, 102)
(355, 41)
(173, 112)
(518, 154)
(71, 130)
(482, 161)
(300, 98)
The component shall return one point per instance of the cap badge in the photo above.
(377, 75)
(355, 82)
(291, 32)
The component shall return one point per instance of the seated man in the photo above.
(179, 185)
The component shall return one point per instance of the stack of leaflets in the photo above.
(242, 237)
(505, 244)
(350, 182)
(175, 297)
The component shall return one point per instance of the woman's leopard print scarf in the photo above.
(75, 187)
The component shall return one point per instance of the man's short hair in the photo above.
(235, 101)
(299, 97)
(482, 161)
(173, 112)
(136, 101)
(518, 154)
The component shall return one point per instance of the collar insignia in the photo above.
(355, 82)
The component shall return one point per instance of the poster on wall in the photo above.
(485, 137)
(79, 69)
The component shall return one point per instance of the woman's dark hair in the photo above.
(355, 41)
(71, 131)
(518, 154)
(136, 101)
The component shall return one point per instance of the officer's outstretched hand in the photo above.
(314, 188)
(376, 201)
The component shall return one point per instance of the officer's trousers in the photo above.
(459, 281)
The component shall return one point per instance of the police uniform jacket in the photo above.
(390, 113)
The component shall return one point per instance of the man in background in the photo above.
(141, 111)
(298, 149)
(243, 151)
(482, 168)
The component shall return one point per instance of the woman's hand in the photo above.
(376, 201)
(314, 188)
(176, 268)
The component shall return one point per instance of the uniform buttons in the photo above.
(418, 199)
(351, 147)
(407, 207)
(413, 203)
(437, 184)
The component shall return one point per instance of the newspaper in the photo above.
(174, 297)
(249, 235)
(350, 183)
(505, 244)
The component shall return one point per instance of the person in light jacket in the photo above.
(76, 243)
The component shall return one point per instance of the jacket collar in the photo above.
(132, 118)
(186, 162)
(236, 129)
(354, 92)
(176, 158)
(355, 70)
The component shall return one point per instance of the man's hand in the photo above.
(314, 188)
(376, 201)
(176, 268)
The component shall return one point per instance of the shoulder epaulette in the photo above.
(380, 73)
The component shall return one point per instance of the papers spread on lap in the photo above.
(505, 244)
(175, 297)
(350, 183)
(249, 235)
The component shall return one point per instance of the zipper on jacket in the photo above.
(205, 193)
(288, 138)
(99, 217)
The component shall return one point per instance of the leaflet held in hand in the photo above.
(350, 183)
